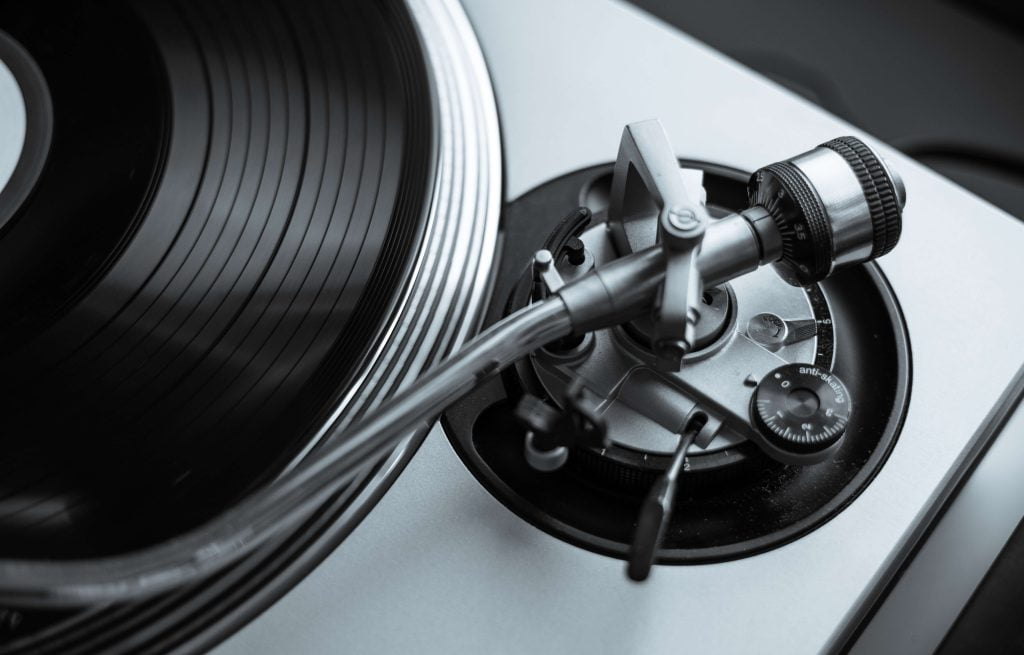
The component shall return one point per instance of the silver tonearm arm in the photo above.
(790, 223)
(647, 177)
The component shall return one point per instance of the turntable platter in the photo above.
(204, 260)
(240, 234)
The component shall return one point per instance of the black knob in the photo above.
(576, 251)
(825, 218)
(800, 408)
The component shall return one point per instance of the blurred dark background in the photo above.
(942, 81)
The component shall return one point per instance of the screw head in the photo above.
(682, 219)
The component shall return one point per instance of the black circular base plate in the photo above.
(759, 506)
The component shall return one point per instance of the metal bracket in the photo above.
(647, 180)
(545, 273)
(551, 432)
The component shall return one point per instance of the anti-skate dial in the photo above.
(801, 408)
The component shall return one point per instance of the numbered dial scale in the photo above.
(746, 485)
(801, 408)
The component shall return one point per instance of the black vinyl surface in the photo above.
(211, 244)
(232, 197)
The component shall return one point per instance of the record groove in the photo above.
(266, 257)
(429, 285)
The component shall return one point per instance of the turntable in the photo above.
(405, 326)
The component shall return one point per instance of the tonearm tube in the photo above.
(811, 215)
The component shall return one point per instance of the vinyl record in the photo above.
(233, 228)
(185, 298)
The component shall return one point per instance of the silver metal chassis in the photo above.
(441, 566)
